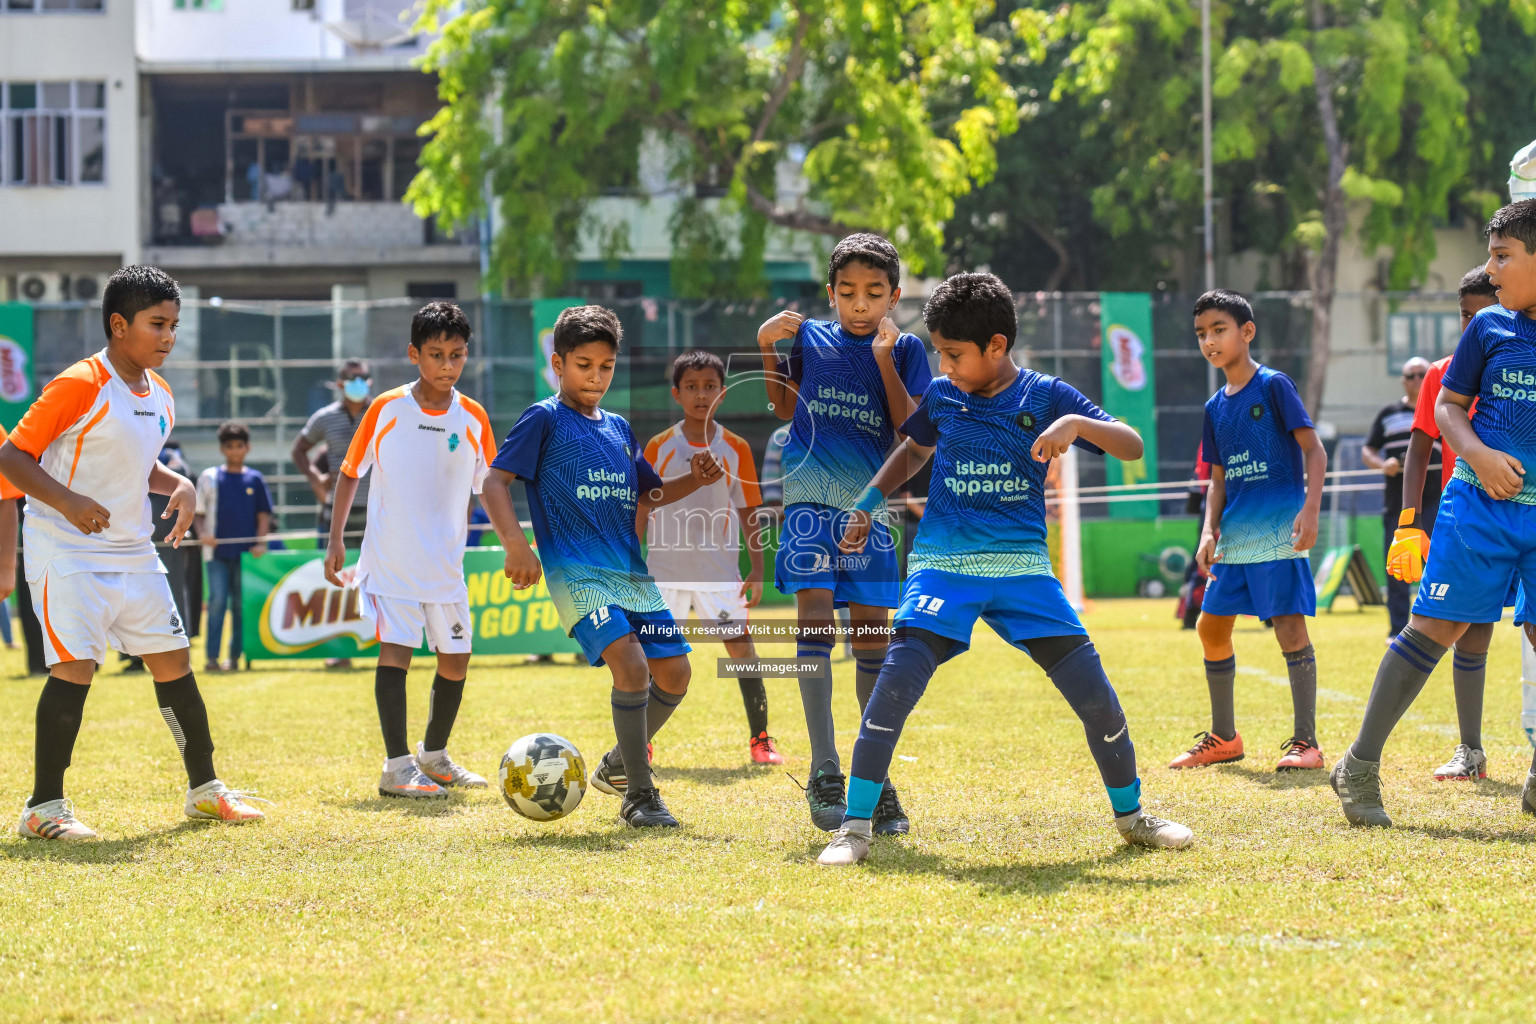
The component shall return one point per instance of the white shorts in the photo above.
(84, 613)
(398, 620)
(722, 612)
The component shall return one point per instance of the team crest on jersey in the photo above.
(627, 453)
(1257, 412)
(162, 425)
(1025, 420)
(453, 442)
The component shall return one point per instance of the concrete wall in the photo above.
(46, 227)
(257, 30)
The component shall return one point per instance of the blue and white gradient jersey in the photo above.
(986, 497)
(1496, 361)
(1249, 436)
(584, 478)
(842, 429)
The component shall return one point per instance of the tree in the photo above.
(1321, 104)
(554, 102)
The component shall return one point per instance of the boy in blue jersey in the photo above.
(1260, 522)
(992, 429)
(585, 476)
(1486, 536)
(845, 388)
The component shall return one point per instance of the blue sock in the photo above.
(816, 698)
(903, 678)
(1080, 678)
(1126, 799)
(868, 671)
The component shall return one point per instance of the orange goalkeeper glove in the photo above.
(1410, 547)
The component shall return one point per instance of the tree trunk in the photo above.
(1325, 264)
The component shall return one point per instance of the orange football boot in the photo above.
(1211, 749)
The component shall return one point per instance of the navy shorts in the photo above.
(808, 559)
(1266, 589)
(1018, 608)
(1481, 550)
(657, 632)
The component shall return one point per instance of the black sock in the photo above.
(754, 697)
(1468, 673)
(181, 705)
(59, 710)
(629, 729)
(441, 712)
(1301, 666)
(1410, 659)
(659, 708)
(389, 695)
(1219, 677)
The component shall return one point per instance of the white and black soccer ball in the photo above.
(543, 776)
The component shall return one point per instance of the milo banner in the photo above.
(545, 312)
(1130, 392)
(292, 612)
(15, 361)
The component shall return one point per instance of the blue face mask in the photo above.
(356, 389)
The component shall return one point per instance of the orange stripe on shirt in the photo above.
(80, 441)
(746, 469)
(654, 447)
(8, 490)
(487, 441)
(382, 435)
(363, 437)
(64, 400)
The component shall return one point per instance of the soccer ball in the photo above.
(543, 776)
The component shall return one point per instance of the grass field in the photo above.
(1012, 899)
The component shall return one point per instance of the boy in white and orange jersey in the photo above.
(694, 544)
(86, 454)
(428, 448)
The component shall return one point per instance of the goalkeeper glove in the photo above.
(1410, 547)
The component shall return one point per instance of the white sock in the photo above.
(396, 763)
(433, 755)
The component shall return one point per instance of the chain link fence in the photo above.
(272, 364)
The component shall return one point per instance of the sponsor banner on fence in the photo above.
(292, 612)
(545, 313)
(15, 362)
(1130, 392)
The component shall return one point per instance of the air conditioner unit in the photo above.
(82, 287)
(38, 286)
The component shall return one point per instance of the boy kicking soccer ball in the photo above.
(1260, 522)
(1489, 505)
(427, 447)
(991, 429)
(846, 387)
(87, 455)
(586, 479)
(694, 550)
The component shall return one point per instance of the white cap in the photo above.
(1522, 174)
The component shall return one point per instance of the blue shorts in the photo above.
(1266, 589)
(1018, 608)
(656, 632)
(1482, 549)
(808, 559)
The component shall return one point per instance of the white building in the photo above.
(70, 172)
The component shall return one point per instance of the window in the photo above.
(50, 6)
(53, 133)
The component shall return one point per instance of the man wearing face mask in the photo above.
(334, 426)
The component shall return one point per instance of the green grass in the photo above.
(1012, 899)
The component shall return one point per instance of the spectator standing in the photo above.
(333, 425)
(1386, 450)
(234, 514)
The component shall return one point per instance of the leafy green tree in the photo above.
(552, 103)
(1321, 106)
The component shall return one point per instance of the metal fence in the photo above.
(272, 364)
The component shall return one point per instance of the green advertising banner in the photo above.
(16, 392)
(545, 312)
(292, 612)
(1130, 393)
